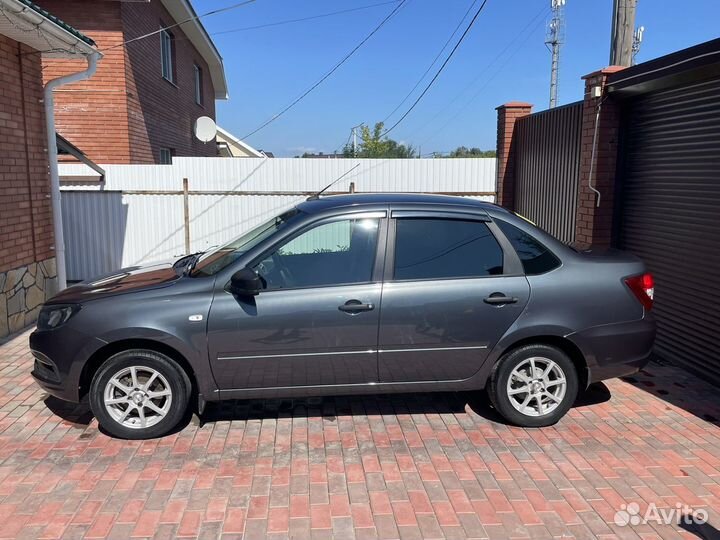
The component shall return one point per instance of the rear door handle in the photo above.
(499, 298)
(355, 306)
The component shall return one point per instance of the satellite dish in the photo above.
(205, 129)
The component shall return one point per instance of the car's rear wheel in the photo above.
(534, 385)
(139, 394)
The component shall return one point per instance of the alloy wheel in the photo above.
(137, 397)
(537, 386)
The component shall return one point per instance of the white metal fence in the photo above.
(145, 213)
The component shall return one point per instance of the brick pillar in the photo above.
(506, 117)
(593, 226)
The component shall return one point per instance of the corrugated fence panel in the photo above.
(94, 229)
(105, 231)
(154, 229)
(216, 219)
(422, 175)
(289, 174)
(547, 168)
(136, 215)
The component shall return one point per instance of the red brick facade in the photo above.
(26, 232)
(127, 111)
(508, 114)
(593, 225)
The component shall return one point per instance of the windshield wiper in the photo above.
(195, 257)
(182, 261)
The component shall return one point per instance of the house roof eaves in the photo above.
(226, 134)
(59, 22)
(70, 42)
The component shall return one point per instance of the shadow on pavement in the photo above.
(80, 415)
(679, 388)
(704, 530)
(380, 404)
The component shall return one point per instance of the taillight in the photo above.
(643, 287)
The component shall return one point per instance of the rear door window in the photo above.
(535, 257)
(433, 248)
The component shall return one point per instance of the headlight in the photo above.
(53, 316)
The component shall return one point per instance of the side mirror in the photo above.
(246, 282)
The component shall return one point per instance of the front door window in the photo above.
(335, 253)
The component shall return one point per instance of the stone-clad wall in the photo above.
(22, 292)
(26, 229)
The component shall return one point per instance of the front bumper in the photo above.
(616, 350)
(60, 355)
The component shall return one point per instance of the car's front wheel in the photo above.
(139, 394)
(533, 385)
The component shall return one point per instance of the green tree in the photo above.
(465, 152)
(373, 145)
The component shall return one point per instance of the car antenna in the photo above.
(316, 196)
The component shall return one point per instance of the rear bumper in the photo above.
(616, 350)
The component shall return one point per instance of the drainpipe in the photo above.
(92, 60)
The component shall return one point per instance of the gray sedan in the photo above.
(351, 295)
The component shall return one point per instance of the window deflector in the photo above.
(440, 214)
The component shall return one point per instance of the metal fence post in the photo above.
(186, 214)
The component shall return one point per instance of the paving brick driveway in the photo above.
(414, 466)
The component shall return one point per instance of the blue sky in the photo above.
(504, 58)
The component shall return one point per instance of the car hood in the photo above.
(132, 279)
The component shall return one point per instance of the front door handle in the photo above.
(355, 306)
(497, 298)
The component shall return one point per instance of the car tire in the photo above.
(533, 385)
(139, 394)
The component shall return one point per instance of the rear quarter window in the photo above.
(535, 257)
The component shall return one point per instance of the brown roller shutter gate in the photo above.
(670, 215)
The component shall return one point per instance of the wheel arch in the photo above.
(564, 344)
(99, 357)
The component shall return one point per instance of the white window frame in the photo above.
(166, 55)
(197, 70)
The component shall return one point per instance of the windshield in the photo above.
(211, 262)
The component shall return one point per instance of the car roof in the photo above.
(373, 199)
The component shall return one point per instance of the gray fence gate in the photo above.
(547, 166)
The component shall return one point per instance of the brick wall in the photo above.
(162, 114)
(126, 112)
(93, 114)
(594, 223)
(508, 114)
(26, 232)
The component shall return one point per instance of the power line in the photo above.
(439, 71)
(312, 17)
(346, 144)
(433, 62)
(196, 17)
(521, 34)
(155, 32)
(328, 74)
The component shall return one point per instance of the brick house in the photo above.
(27, 257)
(148, 92)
